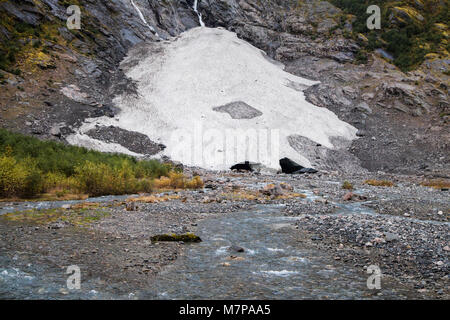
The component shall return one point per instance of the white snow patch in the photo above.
(82, 140)
(205, 68)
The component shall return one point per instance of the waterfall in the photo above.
(143, 19)
(195, 7)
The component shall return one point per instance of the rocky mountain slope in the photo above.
(53, 78)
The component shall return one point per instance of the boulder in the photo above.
(246, 166)
(352, 196)
(132, 206)
(273, 190)
(235, 248)
(290, 167)
(286, 186)
(348, 196)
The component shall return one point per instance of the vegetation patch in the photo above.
(153, 198)
(437, 183)
(187, 237)
(379, 183)
(252, 195)
(176, 180)
(30, 168)
(27, 47)
(410, 29)
(78, 217)
(347, 185)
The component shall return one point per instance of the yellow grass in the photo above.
(85, 205)
(436, 183)
(251, 195)
(153, 199)
(177, 180)
(379, 183)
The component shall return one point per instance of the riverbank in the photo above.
(403, 229)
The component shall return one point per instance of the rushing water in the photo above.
(274, 265)
(37, 281)
(42, 205)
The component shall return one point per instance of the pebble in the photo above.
(389, 236)
(63, 291)
(379, 240)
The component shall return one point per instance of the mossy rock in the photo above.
(187, 237)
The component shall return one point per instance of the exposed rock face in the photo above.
(133, 141)
(323, 158)
(239, 110)
(26, 12)
(283, 28)
(393, 111)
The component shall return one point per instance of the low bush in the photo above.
(30, 167)
(177, 180)
(379, 183)
(437, 183)
(21, 179)
(347, 185)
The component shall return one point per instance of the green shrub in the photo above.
(29, 167)
(347, 185)
(12, 178)
(95, 179)
(19, 178)
(408, 41)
